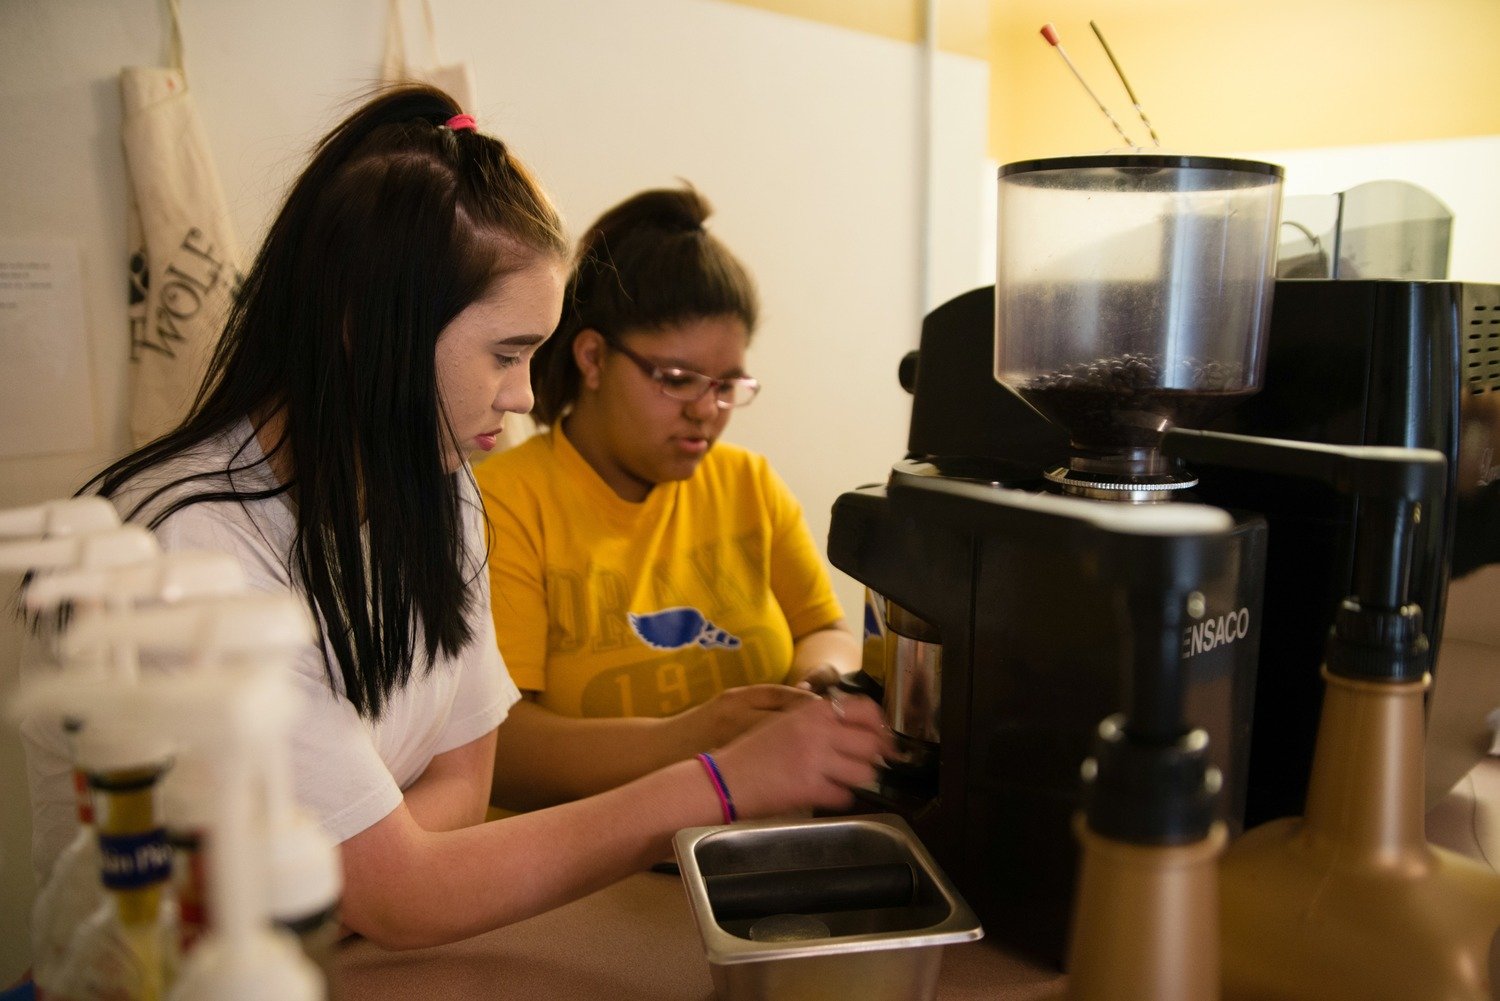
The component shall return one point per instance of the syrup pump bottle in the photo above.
(167, 578)
(232, 713)
(127, 949)
(72, 891)
(1145, 921)
(243, 956)
(305, 872)
(1350, 900)
(51, 542)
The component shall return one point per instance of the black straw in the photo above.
(1128, 89)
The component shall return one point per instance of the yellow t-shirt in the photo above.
(653, 607)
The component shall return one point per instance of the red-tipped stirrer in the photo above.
(1050, 34)
(1128, 89)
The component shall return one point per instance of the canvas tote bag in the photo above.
(184, 258)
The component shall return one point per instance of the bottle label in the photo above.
(84, 797)
(188, 883)
(131, 861)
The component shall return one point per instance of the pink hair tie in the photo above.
(460, 122)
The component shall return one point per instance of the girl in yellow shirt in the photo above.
(684, 596)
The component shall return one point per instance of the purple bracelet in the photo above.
(726, 801)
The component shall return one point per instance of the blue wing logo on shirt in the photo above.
(675, 628)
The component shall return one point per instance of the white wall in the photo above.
(805, 136)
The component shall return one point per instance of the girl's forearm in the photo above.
(410, 888)
(543, 758)
(823, 655)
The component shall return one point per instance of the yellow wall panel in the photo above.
(1235, 75)
(1214, 75)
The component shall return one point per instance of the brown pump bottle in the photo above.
(1350, 901)
(1146, 917)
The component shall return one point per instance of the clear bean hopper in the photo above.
(1133, 294)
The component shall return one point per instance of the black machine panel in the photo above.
(1363, 362)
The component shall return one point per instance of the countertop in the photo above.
(634, 941)
(637, 940)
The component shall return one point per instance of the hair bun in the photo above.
(638, 268)
(675, 210)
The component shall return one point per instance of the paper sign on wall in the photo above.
(46, 394)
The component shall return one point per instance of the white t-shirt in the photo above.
(349, 772)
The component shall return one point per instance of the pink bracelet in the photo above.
(726, 801)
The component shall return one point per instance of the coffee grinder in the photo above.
(1133, 295)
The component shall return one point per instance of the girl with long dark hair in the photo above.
(384, 333)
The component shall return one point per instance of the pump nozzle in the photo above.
(208, 628)
(110, 547)
(74, 516)
(1377, 633)
(172, 577)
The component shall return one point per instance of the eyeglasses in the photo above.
(681, 384)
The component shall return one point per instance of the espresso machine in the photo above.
(1113, 358)
(1133, 295)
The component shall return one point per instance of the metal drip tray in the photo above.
(845, 907)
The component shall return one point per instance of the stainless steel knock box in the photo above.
(814, 909)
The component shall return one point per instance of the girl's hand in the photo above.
(733, 712)
(810, 756)
(818, 679)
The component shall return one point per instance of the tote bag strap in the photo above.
(174, 39)
(397, 62)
